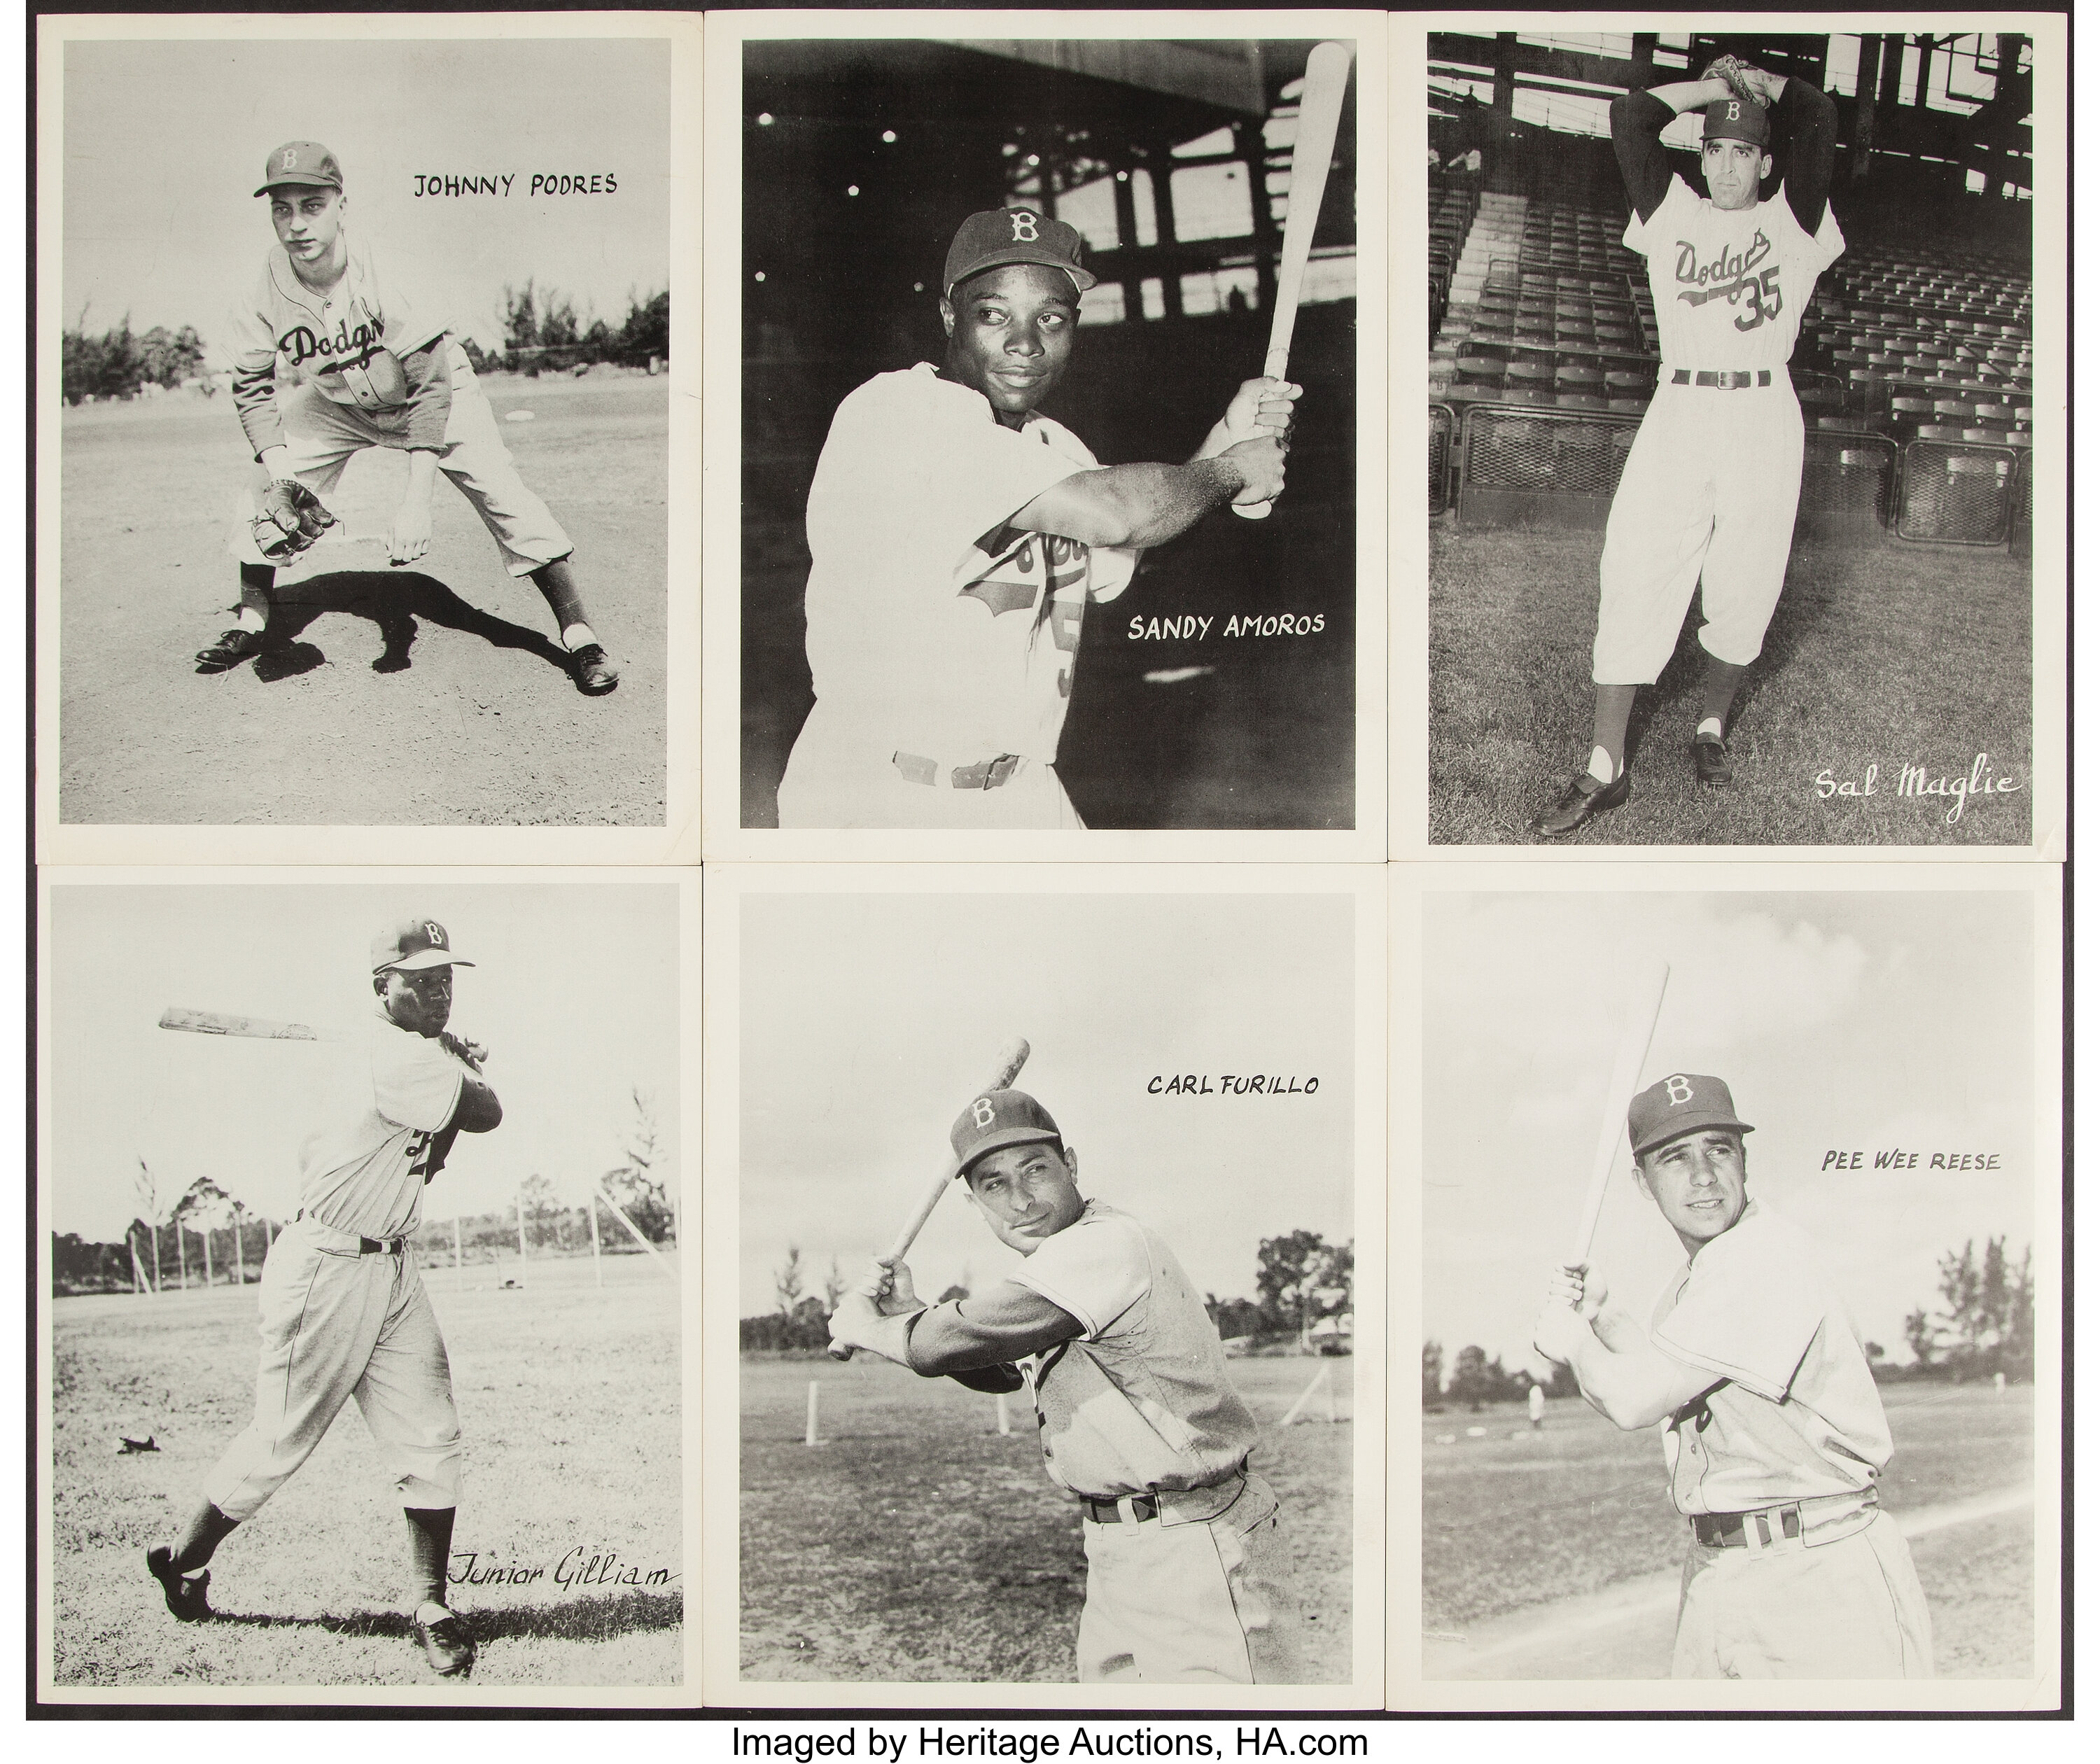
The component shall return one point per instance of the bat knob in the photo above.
(839, 1353)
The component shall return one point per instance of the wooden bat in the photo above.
(1634, 1041)
(224, 1023)
(1319, 114)
(1011, 1058)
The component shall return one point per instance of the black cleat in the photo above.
(1582, 800)
(447, 1646)
(592, 670)
(233, 648)
(1709, 759)
(185, 1592)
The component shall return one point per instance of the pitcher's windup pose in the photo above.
(1775, 1437)
(344, 1311)
(1188, 1580)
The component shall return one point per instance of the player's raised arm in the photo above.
(1146, 504)
(1007, 1324)
(1638, 120)
(1811, 119)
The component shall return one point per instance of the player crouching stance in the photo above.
(1774, 1438)
(956, 537)
(1187, 1579)
(1710, 487)
(331, 357)
(344, 1310)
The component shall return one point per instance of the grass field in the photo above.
(1879, 655)
(569, 1395)
(1517, 1522)
(916, 1543)
(430, 694)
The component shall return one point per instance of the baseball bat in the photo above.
(225, 1023)
(1011, 1058)
(1633, 1040)
(1319, 114)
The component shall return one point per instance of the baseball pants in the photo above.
(335, 1325)
(323, 436)
(1200, 1601)
(1707, 500)
(1849, 1609)
(840, 775)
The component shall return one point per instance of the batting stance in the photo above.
(1187, 1581)
(1773, 1435)
(956, 537)
(1708, 497)
(332, 356)
(344, 1312)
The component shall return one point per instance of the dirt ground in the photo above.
(1555, 1554)
(435, 694)
(565, 1461)
(916, 1543)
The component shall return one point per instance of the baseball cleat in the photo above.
(1583, 799)
(233, 647)
(1709, 758)
(185, 1594)
(592, 670)
(447, 1645)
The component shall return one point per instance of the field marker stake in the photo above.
(1331, 1417)
(1005, 1423)
(634, 1231)
(459, 1271)
(518, 1202)
(1305, 1396)
(597, 1268)
(809, 1427)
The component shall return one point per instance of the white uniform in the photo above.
(1796, 1427)
(1138, 1405)
(344, 1311)
(340, 388)
(1711, 485)
(940, 638)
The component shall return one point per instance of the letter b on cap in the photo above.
(1024, 226)
(982, 1112)
(1677, 1087)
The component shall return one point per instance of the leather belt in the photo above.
(1136, 1509)
(987, 774)
(1762, 1528)
(1724, 383)
(367, 1246)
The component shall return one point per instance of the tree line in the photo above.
(1984, 1326)
(1304, 1289)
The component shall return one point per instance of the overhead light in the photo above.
(759, 276)
(890, 134)
(918, 288)
(852, 189)
(765, 119)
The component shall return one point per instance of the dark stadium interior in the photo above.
(845, 232)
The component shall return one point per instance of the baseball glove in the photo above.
(1735, 75)
(292, 518)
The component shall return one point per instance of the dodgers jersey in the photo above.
(1139, 1401)
(348, 342)
(364, 1170)
(1729, 286)
(1798, 1415)
(938, 629)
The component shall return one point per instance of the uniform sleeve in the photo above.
(408, 321)
(921, 468)
(415, 1082)
(1110, 569)
(1096, 1270)
(1638, 120)
(1810, 120)
(1643, 232)
(1748, 1315)
(254, 352)
(428, 371)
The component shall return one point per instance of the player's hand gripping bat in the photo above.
(1011, 1060)
(1319, 114)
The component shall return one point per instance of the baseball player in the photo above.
(956, 537)
(344, 1311)
(1774, 1435)
(1187, 1581)
(1709, 492)
(333, 355)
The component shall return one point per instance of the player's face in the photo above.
(1732, 170)
(1697, 1182)
(1010, 336)
(308, 220)
(422, 1001)
(1026, 1193)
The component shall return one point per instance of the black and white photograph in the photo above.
(1045, 1221)
(1046, 497)
(409, 1147)
(358, 497)
(1745, 521)
(1740, 1271)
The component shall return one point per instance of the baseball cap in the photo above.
(998, 1118)
(998, 235)
(1684, 1103)
(413, 944)
(301, 162)
(1737, 119)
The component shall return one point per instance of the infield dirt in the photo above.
(433, 694)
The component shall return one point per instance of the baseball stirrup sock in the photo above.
(1718, 692)
(257, 580)
(429, 1550)
(1608, 732)
(201, 1535)
(558, 583)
